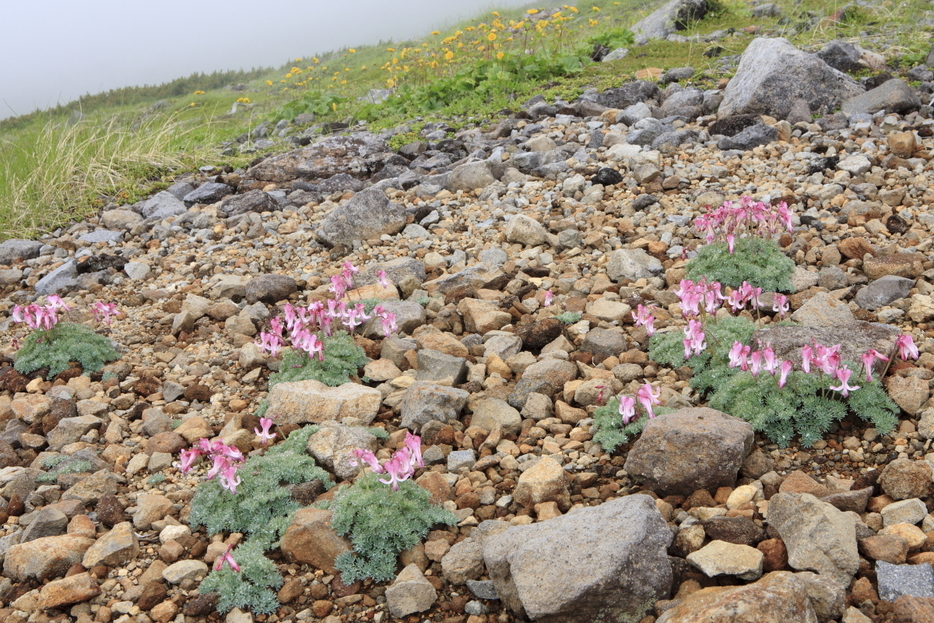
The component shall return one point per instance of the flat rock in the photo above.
(722, 558)
(898, 580)
(333, 446)
(891, 96)
(311, 401)
(45, 558)
(311, 540)
(368, 214)
(543, 482)
(424, 402)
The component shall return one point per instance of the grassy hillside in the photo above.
(62, 164)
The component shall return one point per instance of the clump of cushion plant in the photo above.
(384, 516)
(55, 345)
(261, 506)
(740, 246)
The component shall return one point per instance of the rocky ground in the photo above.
(591, 200)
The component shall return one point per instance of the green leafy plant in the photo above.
(614, 38)
(756, 261)
(64, 466)
(568, 317)
(64, 343)
(342, 358)
(262, 508)
(156, 479)
(317, 103)
(381, 523)
(610, 431)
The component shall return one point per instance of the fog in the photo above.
(54, 51)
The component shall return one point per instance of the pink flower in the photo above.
(398, 468)
(55, 302)
(643, 318)
(229, 479)
(549, 297)
(627, 408)
(738, 355)
(383, 279)
(843, 375)
(906, 347)
(348, 270)
(188, 458)
(783, 376)
(755, 363)
(338, 286)
(869, 358)
(807, 355)
(264, 435)
(827, 358)
(387, 319)
(414, 444)
(780, 304)
(648, 398)
(270, 343)
(365, 456)
(226, 557)
(769, 362)
(730, 242)
(103, 311)
(694, 343)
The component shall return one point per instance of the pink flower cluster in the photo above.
(709, 295)
(399, 467)
(226, 461)
(304, 324)
(749, 217)
(103, 311)
(40, 316)
(647, 396)
(820, 358)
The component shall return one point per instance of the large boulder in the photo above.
(599, 564)
(675, 15)
(891, 96)
(690, 449)
(772, 74)
(368, 214)
(360, 155)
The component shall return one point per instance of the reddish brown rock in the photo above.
(903, 479)
(70, 590)
(310, 539)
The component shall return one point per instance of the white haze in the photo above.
(54, 51)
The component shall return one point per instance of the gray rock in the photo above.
(63, 278)
(526, 230)
(684, 103)
(48, 521)
(633, 264)
(891, 96)
(600, 564)
(824, 310)
(71, 429)
(766, 10)
(333, 447)
(101, 235)
(690, 449)
(434, 365)
(180, 189)
(410, 592)
(746, 139)
(634, 113)
(359, 155)
(818, 536)
(673, 16)
(676, 74)
(138, 271)
(269, 288)
(898, 580)
(299, 402)
(162, 205)
(461, 459)
(503, 346)
(840, 55)
(208, 192)
(471, 176)
(424, 402)
(483, 589)
(16, 250)
(184, 570)
(911, 511)
(488, 413)
(368, 214)
(631, 93)
(615, 55)
(772, 73)
(10, 276)
(463, 562)
(722, 558)
(603, 343)
(252, 201)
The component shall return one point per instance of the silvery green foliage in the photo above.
(64, 343)
(756, 261)
(381, 523)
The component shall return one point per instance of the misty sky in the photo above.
(53, 51)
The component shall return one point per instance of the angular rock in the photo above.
(114, 548)
(898, 580)
(45, 558)
(903, 479)
(629, 94)
(690, 449)
(311, 540)
(823, 310)
(722, 558)
(301, 402)
(269, 288)
(368, 214)
(209, 192)
(410, 592)
(883, 291)
(599, 564)
(632, 264)
(894, 96)
(772, 74)
(184, 570)
(818, 536)
(471, 176)
(16, 250)
(60, 279)
(543, 482)
(437, 366)
(526, 230)
(482, 316)
(424, 402)
(162, 205)
(463, 562)
(675, 15)
(73, 589)
(753, 136)
(333, 446)
(489, 413)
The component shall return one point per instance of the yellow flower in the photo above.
(192, 104)
(199, 93)
(352, 51)
(449, 55)
(436, 32)
(315, 59)
(269, 83)
(500, 55)
(532, 11)
(491, 36)
(496, 13)
(333, 106)
(595, 8)
(343, 82)
(288, 75)
(243, 100)
(390, 49)
(390, 83)
(298, 60)
(594, 22)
